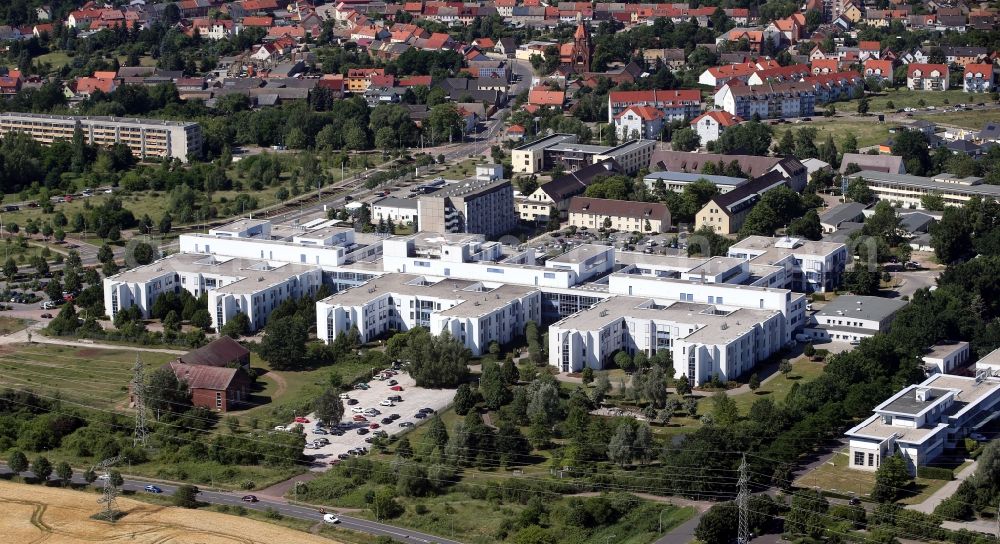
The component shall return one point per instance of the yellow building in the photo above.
(620, 215)
(725, 213)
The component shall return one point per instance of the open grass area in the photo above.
(905, 98)
(57, 59)
(836, 476)
(867, 130)
(9, 325)
(462, 170)
(974, 120)
(96, 378)
(777, 388)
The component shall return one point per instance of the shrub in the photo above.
(935, 473)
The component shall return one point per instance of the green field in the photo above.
(905, 98)
(975, 120)
(9, 325)
(867, 131)
(836, 476)
(803, 371)
(57, 59)
(89, 376)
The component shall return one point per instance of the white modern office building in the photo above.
(705, 340)
(946, 357)
(476, 313)
(906, 191)
(809, 266)
(851, 318)
(922, 420)
(233, 285)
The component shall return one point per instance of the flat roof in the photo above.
(940, 351)
(545, 142)
(908, 404)
(464, 188)
(394, 202)
(919, 182)
(243, 272)
(99, 118)
(584, 148)
(581, 253)
(470, 298)
(771, 245)
(241, 225)
(870, 308)
(676, 262)
(627, 146)
(705, 324)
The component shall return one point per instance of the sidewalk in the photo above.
(946, 491)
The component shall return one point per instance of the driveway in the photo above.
(947, 490)
(414, 398)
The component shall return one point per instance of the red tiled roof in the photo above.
(925, 69)
(415, 81)
(258, 5)
(646, 113)
(517, 129)
(541, 96)
(724, 118)
(218, 352)
(732, 70)
(655, 95)
(869, 46)
(986, 70)
(203, 377)
(830, 65)
(882, 66)
(264, 21)
(617, 208)
(87, 85)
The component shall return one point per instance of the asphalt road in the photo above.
(290, 510)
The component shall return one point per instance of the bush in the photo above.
(935, 473)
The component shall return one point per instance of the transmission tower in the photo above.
(743, 502)
(110, 495)
(141, 433)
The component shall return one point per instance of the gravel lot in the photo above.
(414, 398)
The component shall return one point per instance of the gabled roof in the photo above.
(722, 117)
(878, 163)
(576, 182)
(617, 208)
(883, 66)
(646, 113)
(732, 70)
(981, 70)
(927, 68)
(219, 353)
(204, 377)
(755, 187)
(542, 96)
(665, 96)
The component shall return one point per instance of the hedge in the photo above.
(935, 473)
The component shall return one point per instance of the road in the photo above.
(290, 510)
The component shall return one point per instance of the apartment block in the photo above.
(927, 77)
(808, 266)
(851, 318)
(906, 191)
(725, 213)
(674, 105)
(978, 78)
(621, 215)
(945, 357)
(474, 206)
(147, 138)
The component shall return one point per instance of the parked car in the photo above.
(396, 398)
(362, 431)
(357, 409)
(374, 426)
(249, 498)
(301, 420)
(321, 441)
(319, 430)
(427, 410)
(386, 402)
(393, 382)
(152, 489)
(394, 417)
(46, 316)
(281, 428)
(387, 420)
(352, 402)
(396, 388)
(406, 424)
(854, 501)
(420, 415)
(360, 418)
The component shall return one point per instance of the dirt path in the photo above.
(701, 506)
(279, 381)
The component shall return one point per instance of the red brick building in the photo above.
(222, 352)
(215, 388)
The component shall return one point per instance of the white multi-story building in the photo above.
(397, 210)
(922, 421)
(711, 124)
(233, 285)
(704, 340)
(946, 357)
(978, 78)
(475, 313)
(927, 77)
(906, 191)
(851, 318)
(809, 266)
(677, 181)
(674, 105)
(146, 138)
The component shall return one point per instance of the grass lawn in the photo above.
(867, 131)
(905, 98)
(975, 120)
(57, 59)
(10, 325)
(462, 170)
(837, 476)
(93, 377)
(803, 371)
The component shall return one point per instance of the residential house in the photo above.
(725, 213)
(360, 79)
(879, 69)
(717, 76)
(978, 78)
(620, 215)
(711, 124)
(219, 389)
(751, 165)
(927, 77)
(676, 105)
(557, 194)
(222, 352)
(544, 96)
(639, 122)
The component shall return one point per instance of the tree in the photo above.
(284, 343)
(809, 350)
(42, 468)
(912, 146)
(808, 513)
(236, 326)
(861, 281)
(807, 226)
(492, 387)
(465, 399)
(186, 496)
(166, 223)
(682, 386)
(89, 476)
(587, 376)
(863, 106)
(437, 432)
(115, 478)
(685, 139)
(510, 373)
(328, 407)
(64, 472)
(10, 269)
(203, 320)
(891, 479)
(724, 410)
(17, 462)
(165, 394)
(752, 137)
(620, 446)
(384, 504)
(754, 383)
(786, 146)
(858, 191)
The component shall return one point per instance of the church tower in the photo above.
(581, 46)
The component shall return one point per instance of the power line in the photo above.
(141, 434)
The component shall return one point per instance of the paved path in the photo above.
(947, 490)
(683, 533)
(308, 513)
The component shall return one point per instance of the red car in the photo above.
(301, 420)
(397, 388)
(360, 417)
(373, 426)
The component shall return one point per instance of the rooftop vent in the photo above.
(924, 394)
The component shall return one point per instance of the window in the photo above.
(423, 264)
(549, 275)
(871, 459)
(218, 399)
(494, 270)
(859, 458)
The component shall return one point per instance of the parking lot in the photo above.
(413, 399)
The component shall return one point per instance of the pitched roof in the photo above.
(646, 113)
(927, 68)
(665, 96)
(218, 352)
(752, 165)
(204, 377)
(542, 96)
(983, 70)
(722, 117)
(883, 66)
(869, 46)
(742, 193)
(415, 81)
(877, 163)
(733, 70)
(617, 208)
(576, 182)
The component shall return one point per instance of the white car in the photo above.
(386, 402)
(331, 519)
(344, 396)
(104, 477)
(281, 428)
(371, 412)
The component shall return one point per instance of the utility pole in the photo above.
(110, 492)
(141, 433)
(743, 502)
